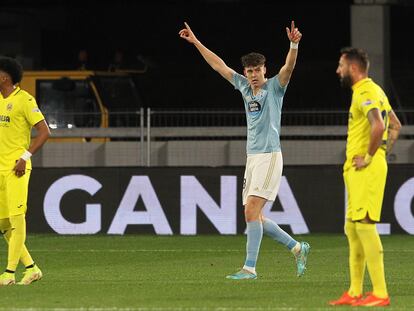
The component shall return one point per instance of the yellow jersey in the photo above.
(366, 95)
(18, 113)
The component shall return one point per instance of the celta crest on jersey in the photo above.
(254, 107)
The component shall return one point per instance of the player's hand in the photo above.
(20, 168)
(187, 34)
(293, 33)
(358, 162)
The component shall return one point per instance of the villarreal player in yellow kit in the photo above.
(365, 173)
(18, 114)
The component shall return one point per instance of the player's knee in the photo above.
(253, 208)
(251, 213)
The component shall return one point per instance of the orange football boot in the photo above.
(373, 301)
(345, 299)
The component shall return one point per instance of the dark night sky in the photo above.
(230, 28)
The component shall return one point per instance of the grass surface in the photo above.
(136, 272)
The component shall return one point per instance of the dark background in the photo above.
(177, 76)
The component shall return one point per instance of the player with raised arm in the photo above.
(263, 100)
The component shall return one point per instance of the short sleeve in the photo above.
(368, 102)
(32, 112)
(239, 81)
(275, 84)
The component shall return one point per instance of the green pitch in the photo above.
(136, 272)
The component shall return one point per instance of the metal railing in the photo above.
(72, 119)
(133, 127)
(152, 125)
(183, 118)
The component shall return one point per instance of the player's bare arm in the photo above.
(394, 129)
(294, 36)
(377, 130)
(212, 59)
(43, 134)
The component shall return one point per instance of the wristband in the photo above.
(26, 155)
(368, 158)
(294, 45)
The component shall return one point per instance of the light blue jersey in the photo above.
(263, 113)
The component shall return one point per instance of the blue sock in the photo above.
(271, 229)
(254, 238)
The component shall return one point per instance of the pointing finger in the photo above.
(288, 31)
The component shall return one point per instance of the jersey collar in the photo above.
(360, 82)
(16, 90)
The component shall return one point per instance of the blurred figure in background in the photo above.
(83, 60)
(118, 61)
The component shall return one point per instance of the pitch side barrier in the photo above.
(200, 200)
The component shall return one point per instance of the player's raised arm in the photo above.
(286, 71)
(212, 59)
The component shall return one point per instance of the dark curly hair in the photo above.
(253, 60)
(12, 67)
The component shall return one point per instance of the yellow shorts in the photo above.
(13, 193)
(365, 189)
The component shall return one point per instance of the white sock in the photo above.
(296, 249)
(250, 269)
